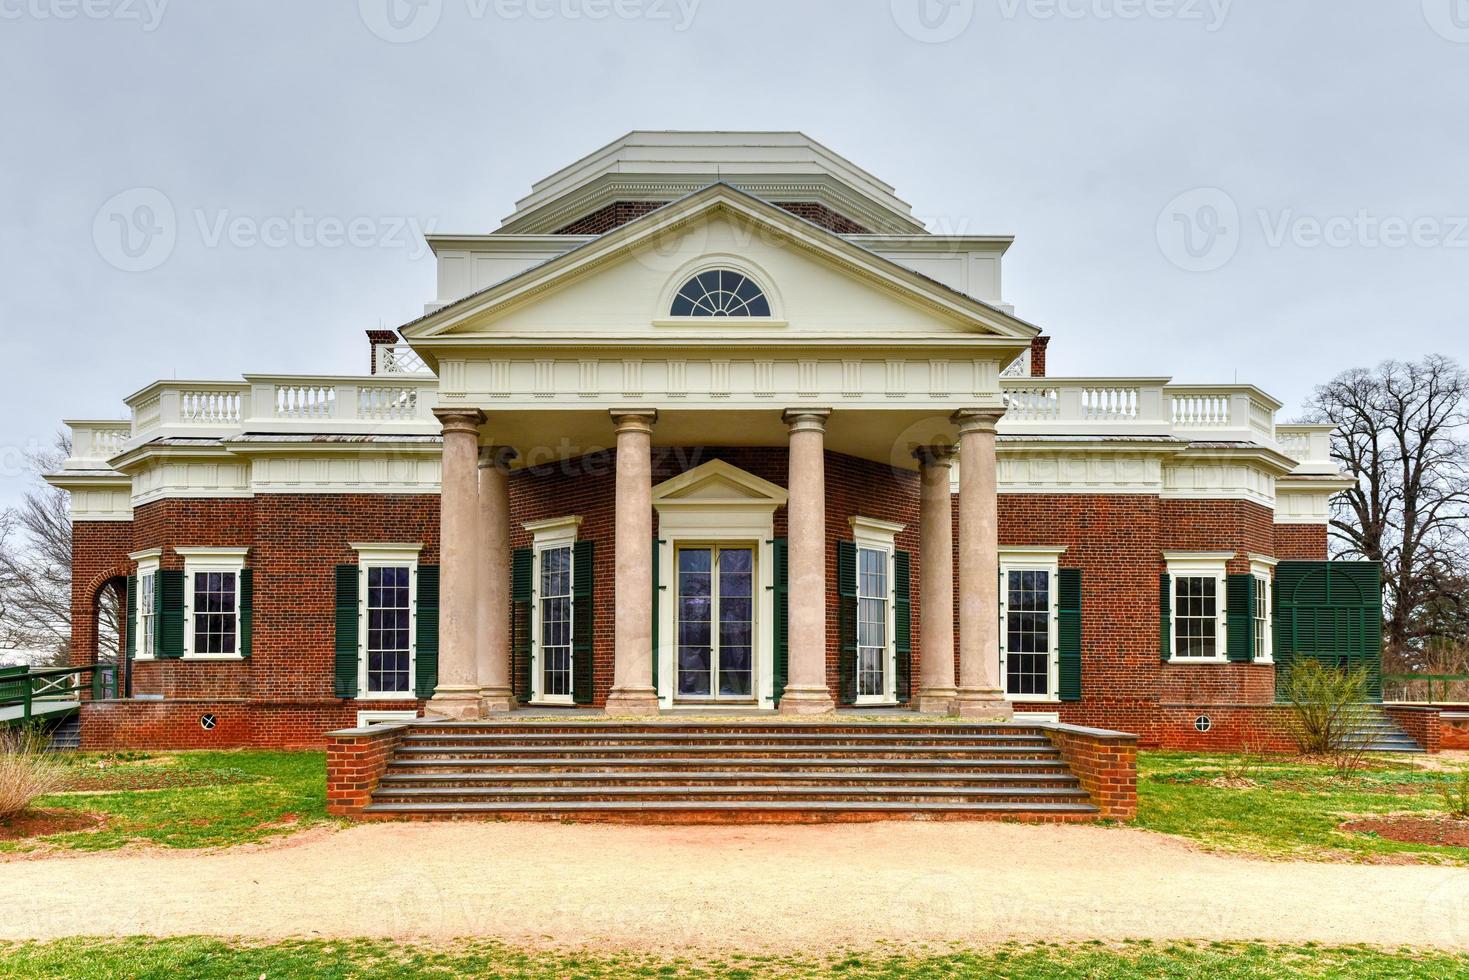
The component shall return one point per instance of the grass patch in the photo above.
(209, 958)
(1287, 807)
(187, 799)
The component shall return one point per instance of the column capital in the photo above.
(634, 419)
(497, 457)
(460, 419)
(970, 420)
(806, 419)
(939, 455)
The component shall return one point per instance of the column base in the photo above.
(982, 705)
(455, 704)
(935, 700)
(496, 701)
(638, 702)
(807, 701)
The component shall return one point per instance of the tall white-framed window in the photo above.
(1263, 569)
(1030, 651)
(212, 602)
(1200, 630)
(147, 602)
(876, 634)
(387, 609)
(552, 609)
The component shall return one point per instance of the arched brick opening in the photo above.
(99, 626)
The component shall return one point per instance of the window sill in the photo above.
(1198, 660)
(212, 657)
(387, 696)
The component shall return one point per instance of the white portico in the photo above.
(720, 320)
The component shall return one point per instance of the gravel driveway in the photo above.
(717, 889)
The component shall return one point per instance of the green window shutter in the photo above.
(1240, 618)
(781, 614)
(169, 587)
(522, 574)
(426, 633)
(1165, 616)
(903, 624)
(247, 611)
(1068, 638)
(657, 595)
(582, 613)
(157, 650)
(847, 619)
(132, 627)
(1330, 611)
(344, 670)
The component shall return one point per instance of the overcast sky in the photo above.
(1273, 190)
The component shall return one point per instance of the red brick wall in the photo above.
(99, 555)
(1217, 684)
(354, 764)
(1105, 763)
(1301, 542)
(619, 213)
(1422, 723)
(1038, 348)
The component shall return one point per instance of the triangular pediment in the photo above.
(718, 482)
(617, 287)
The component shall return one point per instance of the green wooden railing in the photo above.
(1442, 680)
(26, 688)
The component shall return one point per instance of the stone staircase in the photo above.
(728, 772)
(1374, 729)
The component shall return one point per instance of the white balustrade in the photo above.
(395, 403)
(209, 406)
(305, 401)
(1035, 404)
(1109, 404)
(1204, 410)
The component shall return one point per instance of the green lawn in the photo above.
(205, 958)
(1286, 807)
(187, 799)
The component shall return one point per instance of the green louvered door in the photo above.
(781, 614)
(1331, 611)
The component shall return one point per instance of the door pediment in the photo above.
(721, 484)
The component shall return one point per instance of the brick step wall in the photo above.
(700, 772)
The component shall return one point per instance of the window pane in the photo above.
(389, 645)
(213, 605)
(1028, 633)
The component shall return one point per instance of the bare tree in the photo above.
(35, 569)
(1403, 435)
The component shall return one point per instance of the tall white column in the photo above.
(457, 696)
(493, 647)
(936, 690)
(632, 680)
(980, 696)
(806, 690)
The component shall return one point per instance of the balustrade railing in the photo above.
(397, 359)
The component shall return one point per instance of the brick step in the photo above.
(719, 738)
(740, 810)
(533, 728)
(731, 764)
(765, 750)
(741, 794)
(682, 777)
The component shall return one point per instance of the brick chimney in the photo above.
(375, 338)
(1038, 356)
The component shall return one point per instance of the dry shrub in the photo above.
(1327, 703)
(27, 770)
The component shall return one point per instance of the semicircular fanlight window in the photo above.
(720, 292)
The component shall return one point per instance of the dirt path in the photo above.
(712, 889)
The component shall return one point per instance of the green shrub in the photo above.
(1326, 704)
